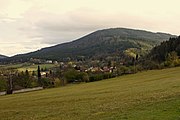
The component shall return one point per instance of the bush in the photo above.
(172, 60)
(123, 70)
(85, 77)
(76, 76)
(3, 84)
(47, 82)
(22, 79)
(34, 83)
(95, 77)
(57, 82)
(71, 75)
(150, 65)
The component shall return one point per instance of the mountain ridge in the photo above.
(2, 56)
(100, 42)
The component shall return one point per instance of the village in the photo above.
(50, 73)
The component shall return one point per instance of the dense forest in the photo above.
(161, 56)
(161, 52)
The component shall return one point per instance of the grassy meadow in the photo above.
(151, 95)
(34, 67)
(27, 66)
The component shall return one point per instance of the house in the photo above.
(55, 62)
(49, 61)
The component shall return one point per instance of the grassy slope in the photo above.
(152, 95)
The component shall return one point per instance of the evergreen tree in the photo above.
(39, 75)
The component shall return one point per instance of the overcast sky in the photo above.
(28, 25)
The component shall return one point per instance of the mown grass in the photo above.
(151, 95)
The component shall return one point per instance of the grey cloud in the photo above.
(55, 29)
(37, 26)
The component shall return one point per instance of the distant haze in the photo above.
(28, 25)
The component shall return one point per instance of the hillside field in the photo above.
(151, 95)
(27, 66)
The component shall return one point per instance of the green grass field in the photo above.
(151, 95)
(27, 66)
(34, 67)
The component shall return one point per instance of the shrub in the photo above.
(57, 82)
(76, 76)
(3, 84)
(47, 82)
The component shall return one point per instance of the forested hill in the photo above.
(2, 56)
(166, 50)
(102, 42)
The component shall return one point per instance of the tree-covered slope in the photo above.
(2, 56)
(102, 42)
(160, 53)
